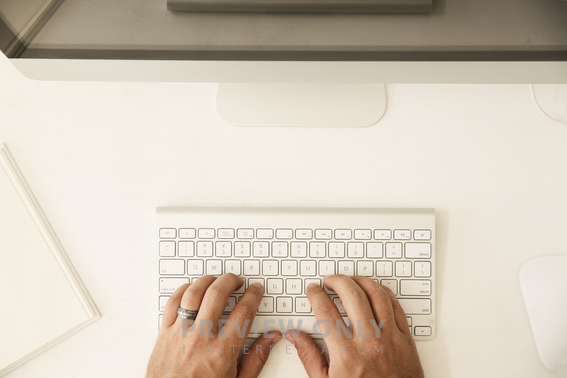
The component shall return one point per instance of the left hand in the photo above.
(202, 353)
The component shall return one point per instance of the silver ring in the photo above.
(187, 314)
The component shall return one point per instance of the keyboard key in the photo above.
(289, 268)
(186, 249)
(187, 233)
(274, 286)
(169, 285)
(326, 268)
(245, 233)
(363, 234)
(223, 249)
(382, 234)
(214, 267)
(261, 249)
(403, 268)
(232, 266)
(251, 267)
(206, 233)
(323, 234)
(343, 234)
(415, 306)
(415, 287)
(265, 233)
(383, 269)
(230, 304)
(422, 234)
(374, 250)
(293, 286)
(252, 281)
(422, 331)
(365, 268)
(418, 250)
(240, 290)
(336, 250)
(402, 234)
(391, 284)
(266, 305)
(167, 233)
(394, 250)
(339, 303)
(355, 250)
(284, 233)
(241, 249)
(172, 267)
(422, 269)
(195, 267)
(167, 249)
(317, 250)
(328, 291)
(284, 304)
(303, 234)
(309, 281)
(279, 249)
(225, 233)
(346, 268)
(270, 267)
(298, 249)
(308, 268)
(162, 302)
(205, 249)
(302, 305)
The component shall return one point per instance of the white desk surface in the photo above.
(101, 156)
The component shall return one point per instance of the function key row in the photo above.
(288, 233)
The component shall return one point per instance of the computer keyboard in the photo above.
(287, 249)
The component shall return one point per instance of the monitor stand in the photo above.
(301, 104)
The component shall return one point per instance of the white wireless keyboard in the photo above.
(287, 249)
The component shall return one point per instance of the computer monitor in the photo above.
(277, 69)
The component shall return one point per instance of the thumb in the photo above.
(252, 362)
(310, 354)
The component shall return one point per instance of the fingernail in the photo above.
(276, 339)
(289, 337)
(312, 285)
(258, 284)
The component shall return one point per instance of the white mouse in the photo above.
(544, 286)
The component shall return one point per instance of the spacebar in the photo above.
(306, 324)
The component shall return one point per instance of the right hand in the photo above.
(393, 354)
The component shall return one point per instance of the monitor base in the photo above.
(301, 104)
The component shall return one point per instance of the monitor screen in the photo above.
(454, 30)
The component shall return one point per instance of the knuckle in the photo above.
(356, 294)
(243, 312)
(215, 292)
(327, 309)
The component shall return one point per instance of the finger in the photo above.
(170, 310)
(399, 313)
(242, 316)
(310, 354)
(252, 363)
(194, 294)
(325, 310)
(355, 302)
(379, 300)
(216, 297)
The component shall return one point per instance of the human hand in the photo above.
(393, 354)
(205, 350)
